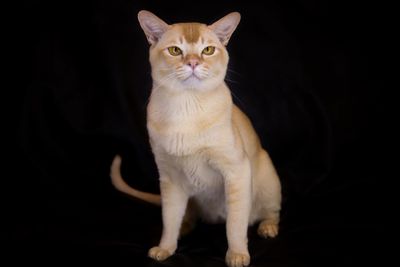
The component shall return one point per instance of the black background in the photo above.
(308, 73)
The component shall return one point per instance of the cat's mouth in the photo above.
(192, 77)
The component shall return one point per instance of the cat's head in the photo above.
(188, 56)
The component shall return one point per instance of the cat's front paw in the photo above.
(159, 254)
(235, 259)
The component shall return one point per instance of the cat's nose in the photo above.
(193, 63)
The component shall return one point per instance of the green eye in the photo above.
(209, 50)
(174, 51)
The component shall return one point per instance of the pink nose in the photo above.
(193, 62)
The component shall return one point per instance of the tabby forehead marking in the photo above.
(191, 32)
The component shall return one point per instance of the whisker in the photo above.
(228, 76)
(237, 98)
(234, 72)
(161, 83)
(164, 80)
(232, 81)
(233, 94)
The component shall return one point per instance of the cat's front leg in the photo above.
(173, 201)
(238, 203)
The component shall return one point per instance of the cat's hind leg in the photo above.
(268, 191)
(269, 226)
(269, 214)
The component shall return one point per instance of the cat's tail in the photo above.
(121, 185)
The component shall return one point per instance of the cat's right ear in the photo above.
(224, 27)
(152, 26)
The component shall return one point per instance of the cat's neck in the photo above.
(171, 91)
(170, 96)
(172, 106)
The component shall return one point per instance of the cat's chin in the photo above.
(192, 82)
(197, 84)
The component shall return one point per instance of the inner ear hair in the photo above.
(225, 27)
(153, 26)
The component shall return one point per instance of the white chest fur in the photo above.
(185, 123)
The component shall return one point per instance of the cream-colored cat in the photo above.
(209, 158)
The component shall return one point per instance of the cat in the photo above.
(210, 161)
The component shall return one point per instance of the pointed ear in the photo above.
(152, 26)
(224, 27)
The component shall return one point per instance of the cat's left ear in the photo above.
(153, 26)
(224, 27)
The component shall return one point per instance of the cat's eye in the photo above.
(209, 50)
(174, 51)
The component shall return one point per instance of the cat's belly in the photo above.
(211, 208)
(205, 185)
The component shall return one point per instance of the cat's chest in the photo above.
(177, 140)
(184, 124)
(182, 135)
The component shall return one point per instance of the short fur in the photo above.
(210, 160)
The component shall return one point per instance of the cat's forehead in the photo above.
(191, 33)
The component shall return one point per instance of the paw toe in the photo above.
(158, 254)
(268, 230)
(234, 259)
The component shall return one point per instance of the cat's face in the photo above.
(188, 56)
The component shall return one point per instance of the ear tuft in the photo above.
(225, 27)
(152, 26)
